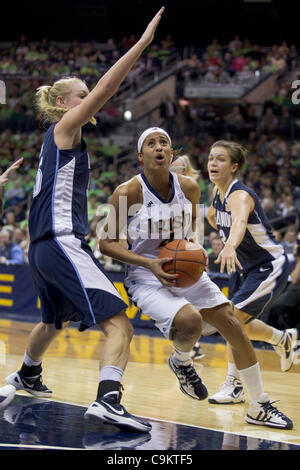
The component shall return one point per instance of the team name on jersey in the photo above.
(223, 219)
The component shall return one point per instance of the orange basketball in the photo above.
(188, 261)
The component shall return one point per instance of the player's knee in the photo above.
(118, 325)
(188, 322)
(225, 320)
(230, 327)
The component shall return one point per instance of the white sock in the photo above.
(277, 336)
(253, 381)
(111, 373)
(181, 356)
(29, 362)
(232, 370)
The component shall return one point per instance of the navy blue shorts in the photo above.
(71, 284)
(255, 292)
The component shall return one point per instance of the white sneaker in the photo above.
(7, 394)
(285, 348)
(230, 392)
(263, 413)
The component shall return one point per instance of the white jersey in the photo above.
(154, 224)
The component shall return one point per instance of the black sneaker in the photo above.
(33, 385)
(109, 409)
(197, 352)
(7, 394)
(190, 382)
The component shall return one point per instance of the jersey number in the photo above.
(38, 183)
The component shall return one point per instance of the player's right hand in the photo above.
(156, 266)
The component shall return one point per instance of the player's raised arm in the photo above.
(107, 86)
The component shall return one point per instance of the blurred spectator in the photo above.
(285, 312)
(289, 242)
(10, 252)
(217, 246)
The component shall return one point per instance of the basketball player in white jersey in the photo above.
(68, 278)
(257, 264)
(180, 313)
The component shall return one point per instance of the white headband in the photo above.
(149, 131)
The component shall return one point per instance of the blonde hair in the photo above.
(47, 95)
(189, 170)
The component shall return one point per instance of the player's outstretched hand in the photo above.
(149, 32)
(5, 176)
(228, 259)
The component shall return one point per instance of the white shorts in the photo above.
(161, 303)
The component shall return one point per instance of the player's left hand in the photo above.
(228, 258)
(5, 176)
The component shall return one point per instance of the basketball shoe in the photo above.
(7, 394)
(109, 409)
(190, 382)
(262, 412)
(33, 385)
(196, 352)
(285, 348)
(230, 392)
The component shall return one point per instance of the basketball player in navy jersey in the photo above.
(68, 278)
(257, 264)
(7, 392)
(152, 200)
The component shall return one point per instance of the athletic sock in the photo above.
(109, 380)
(253, 381)
(30, 368)
(232, 370)
(276, 337)
(181, 357)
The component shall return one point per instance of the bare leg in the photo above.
(223, 319)
(118, 332)
(40, 339)
(256, 330)
(187, 328)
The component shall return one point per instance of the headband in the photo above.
(150, 131)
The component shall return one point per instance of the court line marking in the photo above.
(268, 437)
(32, 446)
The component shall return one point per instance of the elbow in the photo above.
(104, 247)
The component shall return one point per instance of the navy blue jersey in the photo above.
(59, 205)
(259, 245)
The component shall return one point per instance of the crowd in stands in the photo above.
(237, 62)
(268, 131)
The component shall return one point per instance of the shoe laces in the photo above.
(190, 374)
(269, 408)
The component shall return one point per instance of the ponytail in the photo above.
(46, 97)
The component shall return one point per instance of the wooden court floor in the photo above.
(70, 369)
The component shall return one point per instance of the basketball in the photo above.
(189, 261)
